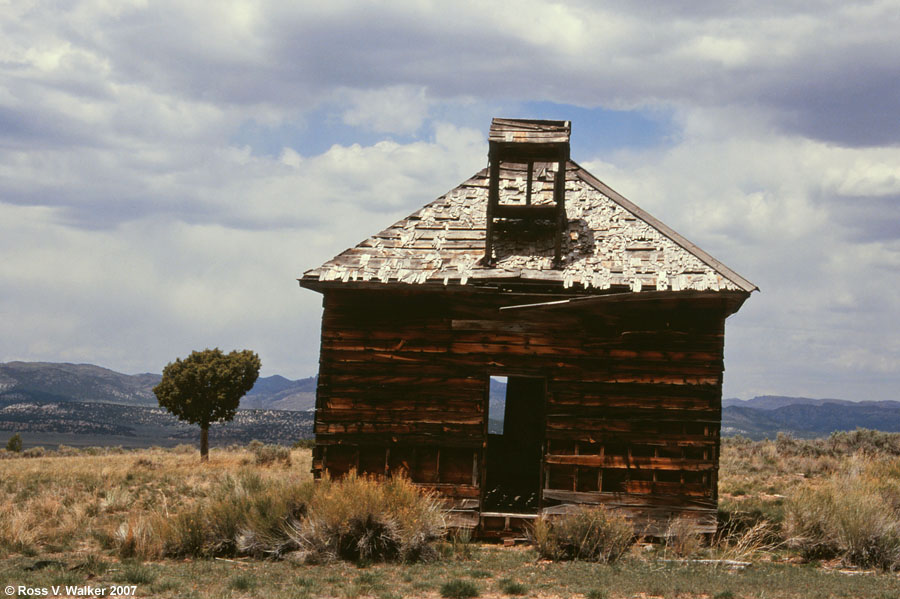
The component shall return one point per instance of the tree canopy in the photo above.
(207, 387)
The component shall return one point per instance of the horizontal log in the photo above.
(626, 500)
(396, 417)
(604, 413)
(460, 518)
(413, 382)
(565, 402)
(462, 430)
(436, 400)
(625, 462)
(635, 438)
(339, 363)
(650, 522)
(417, 439)
(667, 488)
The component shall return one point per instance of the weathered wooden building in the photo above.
(607, 324)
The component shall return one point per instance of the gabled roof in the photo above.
(611, 244)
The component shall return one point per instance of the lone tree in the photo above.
(14, 444)
(206, 387)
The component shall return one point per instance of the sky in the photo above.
(169, 169)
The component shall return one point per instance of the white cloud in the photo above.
(134, 230)
(396, 109)
(784, 211)
(220, 269)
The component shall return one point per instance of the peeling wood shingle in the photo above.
(609, 243)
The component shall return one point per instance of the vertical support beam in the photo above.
(528, 183)
(575, 474)
(474, 467)
(559, 196)
(493, 201)
(437, 466)
(600, 470)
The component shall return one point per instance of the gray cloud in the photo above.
(133, 227)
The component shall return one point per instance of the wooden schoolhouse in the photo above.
(599, 329)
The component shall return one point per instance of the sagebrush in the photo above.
(854, 515)
(592, 534)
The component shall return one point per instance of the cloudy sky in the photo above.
(168, 169)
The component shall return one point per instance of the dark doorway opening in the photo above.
(515, 445)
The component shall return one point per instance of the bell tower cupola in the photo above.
(534, 148)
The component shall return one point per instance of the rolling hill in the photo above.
(61, 398)
(62, 382)
(766, 416)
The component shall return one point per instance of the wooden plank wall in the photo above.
(633, 394)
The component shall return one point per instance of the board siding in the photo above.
(633, 400)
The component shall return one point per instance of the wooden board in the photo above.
(632, 404)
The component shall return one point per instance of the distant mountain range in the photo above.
(82, 424)
(61, 398)
(50, 381)
(767, 415)
(82, 404)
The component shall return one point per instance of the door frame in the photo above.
(510, 373)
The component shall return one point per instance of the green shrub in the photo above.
(837, 444)
(242, 582)
(135, 573)
(362, 519)
(511, 587)
(33, 452)
(459, 589)
(853, 515)
(14, 444)
(591, 534)
(92, 565)
(266, 455)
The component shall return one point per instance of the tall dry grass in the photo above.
(357, 519)
(837, 497)
(362, 519)
(80, 500)
(853, 515)
(594, 534)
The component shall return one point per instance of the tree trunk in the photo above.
(204, 442)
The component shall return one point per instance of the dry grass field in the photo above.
(814, 518)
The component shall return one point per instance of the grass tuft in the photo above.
(681, 537)
(511, 587)
(362, 519)
(136, 573)
(459, 589)
(242, 582)
(591, 534)
(268, 455)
